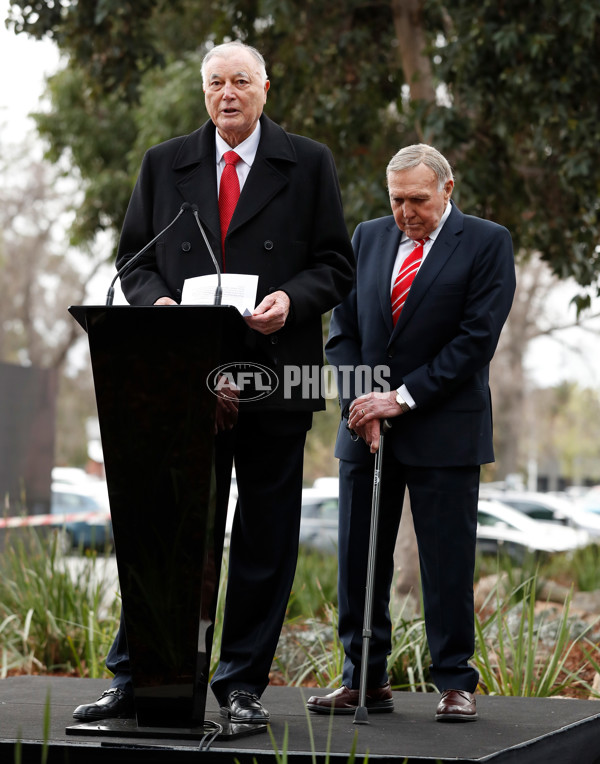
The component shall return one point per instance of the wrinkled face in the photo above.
(235, 94)
(417, 202)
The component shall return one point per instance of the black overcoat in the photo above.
(288, 228)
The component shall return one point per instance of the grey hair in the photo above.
(224, 48)
(421, 153)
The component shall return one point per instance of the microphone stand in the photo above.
(218, 290)
(111, 292)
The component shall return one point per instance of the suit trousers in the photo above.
(269, 458)
(444, 510)
(268, 451)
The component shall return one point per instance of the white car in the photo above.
(82, 515)
(546, 506)
(501, 528)
(319, 519)
(589, 503)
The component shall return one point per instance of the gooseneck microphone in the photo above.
(111, 292)
(218, 290)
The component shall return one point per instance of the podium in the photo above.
(151, 367)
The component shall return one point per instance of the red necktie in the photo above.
(229, 193)
(404, 279)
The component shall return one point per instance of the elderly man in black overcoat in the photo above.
(288, 228)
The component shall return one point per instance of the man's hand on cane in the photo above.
(367, 413)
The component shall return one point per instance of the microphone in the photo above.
(218, 290)
(111, 292)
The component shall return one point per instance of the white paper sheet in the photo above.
(239, 290)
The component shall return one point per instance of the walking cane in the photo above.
(361, 715)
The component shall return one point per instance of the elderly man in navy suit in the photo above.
(284, 223)
(433, 289)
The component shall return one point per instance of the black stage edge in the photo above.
(515, 730)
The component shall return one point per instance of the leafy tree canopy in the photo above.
(524, 124)
(515, 106)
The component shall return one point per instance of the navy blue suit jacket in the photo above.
(442, 344)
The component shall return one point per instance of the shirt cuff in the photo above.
(406, 396)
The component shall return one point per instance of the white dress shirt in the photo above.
(246, 151)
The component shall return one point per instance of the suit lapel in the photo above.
(387, 249)
(195, 166)
(442, 249)
(265, 179)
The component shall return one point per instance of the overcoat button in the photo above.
(274, 340)
(268, 245)
(186, 246)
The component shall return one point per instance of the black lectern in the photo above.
(157, 415)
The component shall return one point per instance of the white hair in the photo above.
(227, 47)
(421, 153)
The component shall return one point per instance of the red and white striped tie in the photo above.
(404, 279)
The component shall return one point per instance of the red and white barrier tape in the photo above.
(93, 518)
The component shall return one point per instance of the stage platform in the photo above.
(515, 730)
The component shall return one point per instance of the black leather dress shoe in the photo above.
(245, 708)
(112, 704)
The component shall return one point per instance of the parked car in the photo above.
(590, 501)
(94, 529)
(548, 507)
(319, 519)
(502, 529)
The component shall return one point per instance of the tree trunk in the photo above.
(406, 557)
(410, 33)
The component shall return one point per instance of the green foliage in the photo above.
(318, 654)
(310, 646)
(323, 86)
(96, 135)
(517, 110)
(523, 126)
(518, 650)
(531, 568)
(517, 654)
(50, 622)
(220, 611)
(408, 663)
(315, 584)
(323, 654)
(110, 40)
(50, 619)
(582, 567)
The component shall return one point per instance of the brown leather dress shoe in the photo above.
(345, 701)
(456, 706)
